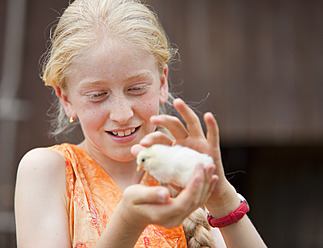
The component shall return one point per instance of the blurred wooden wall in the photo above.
(261, 62)
(257, 65)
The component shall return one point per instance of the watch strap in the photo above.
(231, 218)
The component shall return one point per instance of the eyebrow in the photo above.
(142, 74)
(85, 84)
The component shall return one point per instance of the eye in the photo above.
(138, 89)
(97, 96)
(143, 160)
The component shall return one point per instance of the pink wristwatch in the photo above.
(231, 218)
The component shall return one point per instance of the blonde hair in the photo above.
(196, 227)
(197, 230)
(81, 28)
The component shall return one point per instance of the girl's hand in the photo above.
(192, 136)
(142, 205)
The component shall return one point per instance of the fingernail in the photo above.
(144, 141)
(197, 181)
(211, 171)
(162, 195)
(154, 117)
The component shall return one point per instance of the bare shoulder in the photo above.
(42, 159)
(40, 199)
(41, 169)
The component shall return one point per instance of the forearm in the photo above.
(240, 234)
(119, 232)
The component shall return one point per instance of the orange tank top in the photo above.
(92, 196)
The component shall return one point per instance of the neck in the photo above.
(123, 174)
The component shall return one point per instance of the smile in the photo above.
(124, 133)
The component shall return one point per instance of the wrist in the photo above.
(224, 205)
(121, 231)
(128, 219)
(231, 218)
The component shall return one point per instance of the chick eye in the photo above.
(143, 160)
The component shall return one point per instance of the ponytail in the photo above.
(197, 230)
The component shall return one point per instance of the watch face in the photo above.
(242, 199)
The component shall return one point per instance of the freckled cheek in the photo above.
(148, 108)
(93, 118)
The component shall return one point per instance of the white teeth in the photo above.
(124, 133)
(121, 133)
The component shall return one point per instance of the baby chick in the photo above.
(171, 164)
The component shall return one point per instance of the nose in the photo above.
(121, 110)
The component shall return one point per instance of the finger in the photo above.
(172, 123)
(212, 134)
(156, 138)
(208, 173)
(191, 194)
(191, 119)
(141, 194)
(214, 181)
(135, 149)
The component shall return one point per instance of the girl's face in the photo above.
(114, 90)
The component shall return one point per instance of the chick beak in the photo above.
(140, 167)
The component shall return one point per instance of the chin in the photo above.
(123, 156)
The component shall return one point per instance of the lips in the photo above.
(123, 136)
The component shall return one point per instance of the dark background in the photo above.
(257, 65)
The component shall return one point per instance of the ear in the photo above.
(68, 106)
(163, 90)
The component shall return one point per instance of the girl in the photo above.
(108, 66)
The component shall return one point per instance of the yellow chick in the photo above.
(171, 164)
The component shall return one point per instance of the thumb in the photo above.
(142, 194)
(135, 149)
